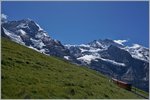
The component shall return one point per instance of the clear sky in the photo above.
(82, 22)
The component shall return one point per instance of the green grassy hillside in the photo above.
(29, 74)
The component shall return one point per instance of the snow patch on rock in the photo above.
(37, 43)
(14, 37)
(66, 57)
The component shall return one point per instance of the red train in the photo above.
(122, 84)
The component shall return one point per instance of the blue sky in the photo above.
(82, 22)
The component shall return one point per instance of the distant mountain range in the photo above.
(116, 60)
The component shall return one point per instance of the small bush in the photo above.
(69, 84)
(9, 58)
(105, 95)
(27, 62)
(72, 92)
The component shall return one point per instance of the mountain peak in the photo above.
(29, 33)
(136, 46)
(120, 41)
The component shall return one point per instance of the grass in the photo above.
(27, 74)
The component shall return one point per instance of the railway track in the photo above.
(139, 95)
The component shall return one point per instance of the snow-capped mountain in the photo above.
(30, 34)
(115, 60)
(139, 52)
(97, 46)
(107, 56)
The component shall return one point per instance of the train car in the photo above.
(122, 84)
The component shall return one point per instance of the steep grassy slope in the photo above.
(29, 74)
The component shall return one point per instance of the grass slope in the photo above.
(29, 74)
